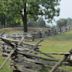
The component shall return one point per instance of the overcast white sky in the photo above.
(65, 9)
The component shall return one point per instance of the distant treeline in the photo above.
(62, 24)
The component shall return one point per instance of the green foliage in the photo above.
(69, 21)
(41, 22)
(11, 9)
(65, 23)
(61, 22)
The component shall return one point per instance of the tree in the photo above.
(41, 22)
(31, 22)
(2, 19)
(61, 23)
(31, 8)
(69, 23)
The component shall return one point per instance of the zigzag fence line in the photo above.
(5, 64)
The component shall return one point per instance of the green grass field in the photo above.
(58, 43)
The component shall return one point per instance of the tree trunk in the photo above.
(60, 30)
(25, 18)
(3, 20)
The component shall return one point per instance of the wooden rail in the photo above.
(14, 46)
(10, 52)
(61, 61)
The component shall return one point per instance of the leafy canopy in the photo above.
(13, 7)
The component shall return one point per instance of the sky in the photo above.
(65, 9)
